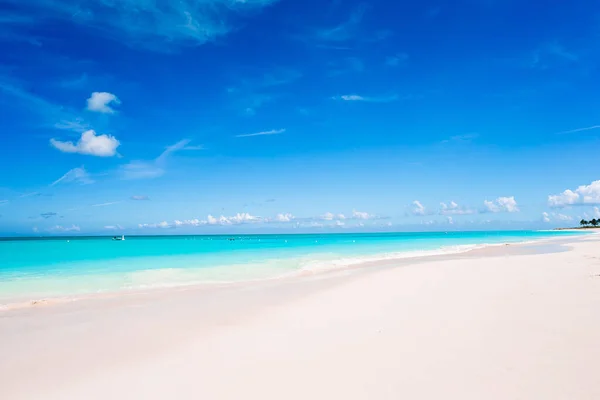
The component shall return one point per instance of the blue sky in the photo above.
(214, 116)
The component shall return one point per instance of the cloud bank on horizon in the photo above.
(160, 116)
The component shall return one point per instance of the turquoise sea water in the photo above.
(47, 267)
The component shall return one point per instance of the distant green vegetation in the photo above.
(593, 223)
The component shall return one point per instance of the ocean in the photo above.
(74, 266)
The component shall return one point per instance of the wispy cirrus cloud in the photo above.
(161, 25)
(343, 31)
(264, 133)
(149, 169)
(110, 203)
(76, 175)
(47, 215)
(44, 112)
(356, 97)
(464, 138)
(552, 54)
(346, 34)
(397, 60)
(255, 90)
(587, 128)
(140, 198)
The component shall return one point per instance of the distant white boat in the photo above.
(119, 238)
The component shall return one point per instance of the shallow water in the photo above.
(46, 267)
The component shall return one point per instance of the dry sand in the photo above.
(501, 323)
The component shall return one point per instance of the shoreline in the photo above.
(406, 258)
(511, 321)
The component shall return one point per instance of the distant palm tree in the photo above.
(583, 222)
(594, 222)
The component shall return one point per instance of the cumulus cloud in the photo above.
(102, 101)
(545, 217)
(548, 217)
(284, 217)
(190, 222)
(583, 195)
(501, 204)
(453, 208)
(417, 208)
(60, 229)
(362, 215)
(162, 225)
(89, 144)
(76, 175)
(332, 217)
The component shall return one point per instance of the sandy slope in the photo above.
(496, 327)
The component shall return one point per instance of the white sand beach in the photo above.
(499, 323)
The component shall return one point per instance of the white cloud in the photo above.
(89, 144)
(355, 97)
(351, 97)
(362, 215)
(332, 217)
(60, 228)
(596, 212)
(75, 125)
(344, 31)
(567, 197)
(162, 225)
(101, 102)
(284, 217)
(114, 227)
(140, 198)
(271, 132)
(106, 204)
(418, 208)
(450, 220)
(150, 24)
(583, 195)
(190, 222)
(501, 204)
(589, 128)
(545, 217)
(339, 223)
(453, 208)
(243, 218)
(141, 169)
(76, 175)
